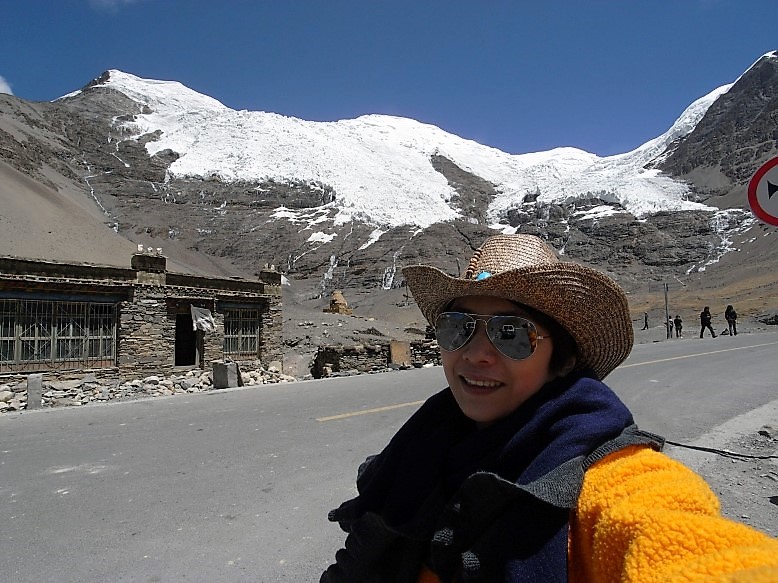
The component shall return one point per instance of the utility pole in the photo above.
(666, 289)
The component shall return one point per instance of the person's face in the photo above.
(486, 385)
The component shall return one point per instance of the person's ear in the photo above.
(567, 367)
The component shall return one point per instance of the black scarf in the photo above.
(438, 454)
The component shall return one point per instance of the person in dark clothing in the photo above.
(527, 468)
(645, 320)
(705, 319)
(678, 326)
(731, 315)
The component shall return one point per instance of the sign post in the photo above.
(763, 192)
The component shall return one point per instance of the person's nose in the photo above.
(480, 348)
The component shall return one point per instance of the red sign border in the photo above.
(753, 202)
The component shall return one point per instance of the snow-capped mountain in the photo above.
(379, 166)
(345, 204)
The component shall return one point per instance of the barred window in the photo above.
(41, 334)
(241, 332)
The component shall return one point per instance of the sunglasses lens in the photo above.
(515, 337)
(453, 330)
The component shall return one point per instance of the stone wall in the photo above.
(147, 332)
(339, 360)
(145, 343)
(213, 342)
(272, 347)
(79, 388)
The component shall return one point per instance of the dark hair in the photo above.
(565, 349)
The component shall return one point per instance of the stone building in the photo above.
(60, 319)
(339, 360)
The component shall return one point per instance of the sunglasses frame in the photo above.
(486, 318)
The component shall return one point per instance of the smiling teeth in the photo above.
(486, 384)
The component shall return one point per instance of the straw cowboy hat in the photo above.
(524, 269)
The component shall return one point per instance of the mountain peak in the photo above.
(345, 204)
(374, 161)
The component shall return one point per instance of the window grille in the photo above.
(44, 335)
(241, 332)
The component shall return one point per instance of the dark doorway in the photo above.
(186, 341)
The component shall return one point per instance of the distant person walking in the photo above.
(669, 327)
(731, 315)
(705, 318)
(678, 326)
(645, 320)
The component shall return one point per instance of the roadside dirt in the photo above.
(740, 463)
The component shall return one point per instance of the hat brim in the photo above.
(587, 303)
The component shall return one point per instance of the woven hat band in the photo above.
(507, 252)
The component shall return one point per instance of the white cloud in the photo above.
(5, 86)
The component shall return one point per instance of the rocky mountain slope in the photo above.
(87, 178)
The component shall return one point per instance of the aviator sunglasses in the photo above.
(513, 336)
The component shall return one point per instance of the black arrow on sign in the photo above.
(771, 189)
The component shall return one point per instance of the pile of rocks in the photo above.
(10, 399)
(90, 389)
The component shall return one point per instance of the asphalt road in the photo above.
(235, 485)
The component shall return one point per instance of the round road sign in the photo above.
(763, 192)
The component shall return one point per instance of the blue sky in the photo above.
(522, 76)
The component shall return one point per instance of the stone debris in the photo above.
(89, 389)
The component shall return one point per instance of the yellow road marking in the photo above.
(368, 411)
(416, 403)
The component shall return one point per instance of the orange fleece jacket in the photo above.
(643, 517)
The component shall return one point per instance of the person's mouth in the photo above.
(475, 385)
